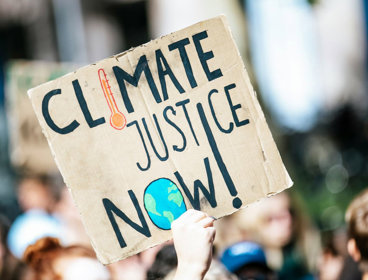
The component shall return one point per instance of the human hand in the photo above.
(193, 235)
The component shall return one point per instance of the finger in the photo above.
(183, 218)
(212, 231)
(206, 222)
(193, 216)
(213, 234)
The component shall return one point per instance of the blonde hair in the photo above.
(357, 220)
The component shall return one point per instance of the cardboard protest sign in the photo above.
(28, 147)
(147, 134)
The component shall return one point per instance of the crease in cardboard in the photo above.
(253, 101)
(143, 92)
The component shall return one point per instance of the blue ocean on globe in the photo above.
(163, 202)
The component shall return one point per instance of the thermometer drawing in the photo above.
(117, 119)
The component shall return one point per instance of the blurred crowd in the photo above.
(308, 62)
(270, 239)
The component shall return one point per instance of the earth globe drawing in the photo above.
(163, 202)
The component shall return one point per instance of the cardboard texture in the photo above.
(28, 147)
(143, 136)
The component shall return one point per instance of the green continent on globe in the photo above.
(176, 197)
(172, 188)
(150, 203)
(169, 216)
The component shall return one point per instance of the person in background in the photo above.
(335, 263)
(35, 192)
(330, 263)
(216, 271)
(193, 235)
(291, 244)
(129, 268)
(247, 260)
(50, 260)
(165, 261)
(357, 221)
(67, 213)
(37, 199)
(164, 267)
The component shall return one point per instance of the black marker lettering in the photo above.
(208, 194)
(231, 125)
(237, 203)
(234, 107)
(180, 45)
(122, 76)
(50, 122)
(170, 122)
(144, 146)
(111, 209)
(166, 155)
(204, 56)
(161, 63)
(183, 103)
(83, 105)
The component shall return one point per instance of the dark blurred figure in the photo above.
(357, 220)
(166, 260)
(335, 263)
(7, 262)
(10, 267)
(350, 270)
(247, 260)
(330, 263)
(165, 264)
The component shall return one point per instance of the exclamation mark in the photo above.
(117, 119)
(237, 203)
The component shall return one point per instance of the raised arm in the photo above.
(193, 235)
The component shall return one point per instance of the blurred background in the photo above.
(307, 61)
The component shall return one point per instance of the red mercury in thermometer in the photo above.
(117, 119)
